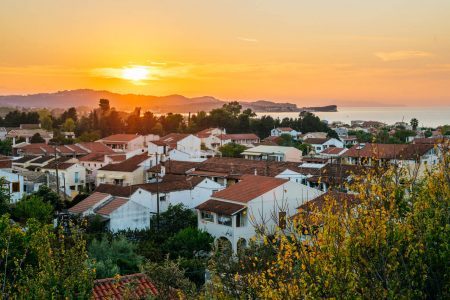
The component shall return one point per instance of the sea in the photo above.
(427, 116)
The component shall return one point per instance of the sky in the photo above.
(346, 52)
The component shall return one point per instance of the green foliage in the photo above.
(6, 147)
(169, 279)
(176, 218)
(414, 123)
(108, 257)
(5, 199)
(38, 262)
(68, 125)
(362, 136)
(188, 242)
(36, 139)
(232, 150)
(90, 136)
(46, 122)
(48, 196)
(33, 207)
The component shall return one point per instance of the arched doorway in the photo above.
(224, 245)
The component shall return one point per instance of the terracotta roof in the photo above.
(315, 141)
(175, 167)
(111, 206)
(249, 188)
(43, 159)
(431, 140)
(388, 151)
(122, 137)
(173, 138)
(333, 150)
(134, 286)
(117, 157)
(95, 147)
(25, 159)
(93, 157)
(220, 207)
(5, 164)
(169, 183)
(128, 165)
(318, 204)
(89, 202)
(62, 164)
(45, 149)
(285, 128)
(238, 136)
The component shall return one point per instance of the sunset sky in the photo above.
(347, 52)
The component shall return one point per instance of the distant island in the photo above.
(157, 104)
(327, 108)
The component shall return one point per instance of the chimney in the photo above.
(256, 172)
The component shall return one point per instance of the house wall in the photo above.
(262, 210)
(18, 183)
(129, 178)
(191, 145)
(293, 154)
(131, 215)
(69, 182)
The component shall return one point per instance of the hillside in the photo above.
(159, 104)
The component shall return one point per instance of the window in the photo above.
(282, 219)
(77, 177)
(15, 187)
(207, 216)
(118, 181)
(224, 220)
(162, 198)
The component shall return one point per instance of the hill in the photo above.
(158, 104)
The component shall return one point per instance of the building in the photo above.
(27, 132)
(72, 176)
(333, 152)
(285, 130)
(342, 132)
(276, 153)
(127, 142)
(244, 139)
(210, 138)
(366, 154)
(177, 146)
(128, 172)
(350, 141)
(313, 135)
(233, 215)
(320, 144)
(13, 184)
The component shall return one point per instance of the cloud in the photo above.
(248, 40)
(402, 55)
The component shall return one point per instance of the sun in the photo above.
(135, 73)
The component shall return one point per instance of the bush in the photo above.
(33, 207)
(188, 242)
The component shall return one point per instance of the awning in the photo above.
(220, 207)
(117, 176)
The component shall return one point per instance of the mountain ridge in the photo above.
(160, 104)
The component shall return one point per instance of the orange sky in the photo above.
(307, 52)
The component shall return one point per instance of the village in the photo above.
(130, 178)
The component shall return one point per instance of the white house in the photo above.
(120, 213)
(234, 215)
(127, 142)
(285, 130)
(341, 131)
(276, 153)
(177, 146)
(127, 172)
(210, 137)
(244, 139)
(72, 176)
(323, 143)
(13, 183)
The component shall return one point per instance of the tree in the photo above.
(33, 207)
(104, 105)
(169, 279)
(389, 241)
(48, 196)
(114, 257)
(40, 262)
(232, 150)
(36, 139)
(46, 122)
(188, 242)
(414, 123)
(5, 198)
(6, 147)
(69, 125)
(174, 219)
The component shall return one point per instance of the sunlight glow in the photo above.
(135, 73)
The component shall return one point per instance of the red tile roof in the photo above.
(175, 167)
(5, 164)
(122, 137)
(134, 286)
(89, 202)
(93, 157)
(239, 136)
(172, 139)
(95, 147)
(332, 150)
(315, 141)
(111, 206)
(285, 128)
(128, 165)
(249, 188)
(388, 151)
(220, 207)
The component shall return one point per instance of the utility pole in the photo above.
(157, 193)
(56, 170)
